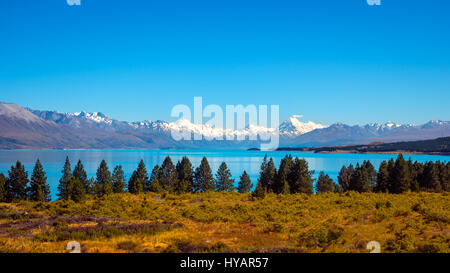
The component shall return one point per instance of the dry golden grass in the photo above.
(231, 222)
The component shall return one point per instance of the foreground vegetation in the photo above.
(230, 222)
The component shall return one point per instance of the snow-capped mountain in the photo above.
(293, 127)
(26, 128)
(342, 134)
(95, 117)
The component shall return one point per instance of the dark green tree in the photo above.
(203, 178)
(371, 172)
(76, 190)
(415, 187)
(224, 182)
(3, 188)
(64, 181)
(300, 177)
(383, 178)
(168, 176)
(281, 184)
(17, 182)
(80, 174)
(244, 185)
(267, 174)
(401, 178)
(360, 181)
(154, 185)
(325, 183)
(185, 173)
(138, 179)
(430, 178)
(104, 181)
(39, 190)
(118, 180)
(444, 175)
(259, 191)
(445, 182)
(92, 186)
(345, 176)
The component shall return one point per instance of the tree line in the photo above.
(396, 176)
(292, 176)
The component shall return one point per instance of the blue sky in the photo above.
(328, 60)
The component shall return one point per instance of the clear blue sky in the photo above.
(328, 60)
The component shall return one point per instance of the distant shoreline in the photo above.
(352, 152)
(439, 146)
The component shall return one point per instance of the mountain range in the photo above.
(23, 128)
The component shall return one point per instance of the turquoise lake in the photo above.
(237, 160)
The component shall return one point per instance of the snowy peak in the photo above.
(95, 116)
(294, 127)
(435, 123)
(383, 127)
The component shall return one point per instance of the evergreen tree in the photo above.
(224, 182)
(417, 174)
(118, 180)
(168, 176)
(244, 185)
(154, 185)
(17, 182)
(430, 178)
(104, 182)
(259, 191)
(64, 181)
(444, 175)
(413, 176)
(360, 181)
(372, 174)
(76, 190)
(383, 178)
(92, 187)
(203, 178)
(3, 188)
(80, 174)
(325, 183)
(345, 176)
(267, 174)
(281, 184)
(39, 189)
(138, 179)
(401, 178)
(446, 183)
(300, 177)
(185, 176)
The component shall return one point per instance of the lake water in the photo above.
(237, 160)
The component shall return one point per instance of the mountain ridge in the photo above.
(24, 128)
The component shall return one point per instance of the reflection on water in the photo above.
(237, 160)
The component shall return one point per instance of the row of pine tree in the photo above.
(75, 185)
(399, 176)
(292, 176)
(396, 176)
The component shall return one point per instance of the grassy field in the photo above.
(231, 222)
